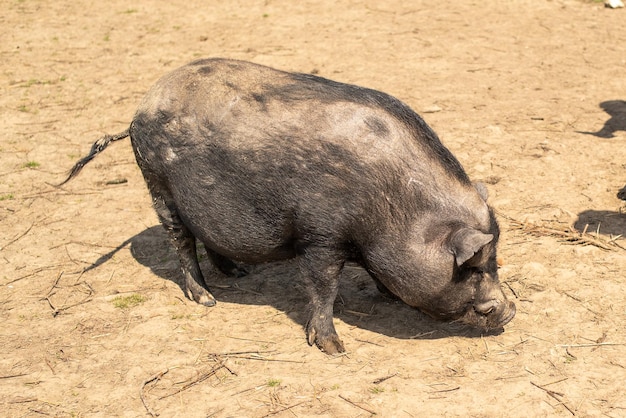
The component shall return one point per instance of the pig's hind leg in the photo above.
(383, 289)
(225, 265)
(321, 269)
(184, 241)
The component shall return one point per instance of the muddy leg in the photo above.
(321, 269)
(195, 287)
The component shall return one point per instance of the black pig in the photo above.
(263, 165)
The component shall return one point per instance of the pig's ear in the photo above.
(482, 190)
(466, 242)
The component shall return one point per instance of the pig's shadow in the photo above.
(278, 284)
(616, 109)
(605, 222)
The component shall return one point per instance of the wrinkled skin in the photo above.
(264, 165)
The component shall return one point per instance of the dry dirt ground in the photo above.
(529, 95)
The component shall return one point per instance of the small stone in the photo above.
(614, 4)
(432, 109)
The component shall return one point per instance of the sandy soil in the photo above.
(529, 95)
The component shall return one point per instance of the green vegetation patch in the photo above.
(130, 301)
(31, 164)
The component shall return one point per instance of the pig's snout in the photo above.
(487, 307)
(496, 312)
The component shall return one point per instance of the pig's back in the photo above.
(273, 156)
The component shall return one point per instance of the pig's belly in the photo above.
(239, 230)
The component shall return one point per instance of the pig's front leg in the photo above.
(321, 268)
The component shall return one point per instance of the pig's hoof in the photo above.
(206, 300)
(329, 344)
(229, 267)
(237, 272)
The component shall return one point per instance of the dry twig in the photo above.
(283, 410)
(201, 378)
(13, 375)
(587, 345)
(554, 395)
(369, 342)
(17, 238)
(55, 310)
(155, 379)
(253, 355)
(357, 405)
(23, 400)
(446, 390)
(564, 234)
(56, 282)
(31, 274)
(382, 379)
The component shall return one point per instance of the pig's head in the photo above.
(467, 288)
(447, 269)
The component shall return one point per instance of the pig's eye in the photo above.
(469, 273)
(477, 273)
